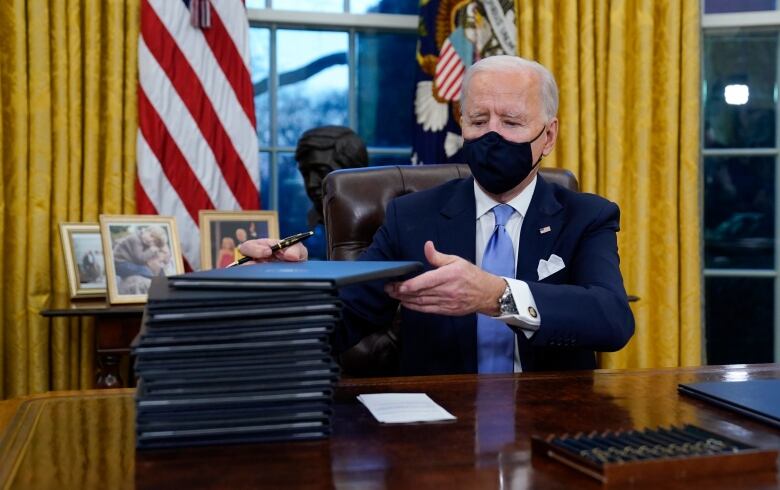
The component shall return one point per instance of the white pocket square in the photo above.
(549, 267)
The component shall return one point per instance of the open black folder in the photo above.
(296, 275)
(759, 398)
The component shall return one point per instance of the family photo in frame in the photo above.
(84, 263)
(138, 248)
(221, 232)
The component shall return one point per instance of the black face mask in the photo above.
(499, 165)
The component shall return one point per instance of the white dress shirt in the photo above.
(486, 222)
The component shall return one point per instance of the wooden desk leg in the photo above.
(113, 335)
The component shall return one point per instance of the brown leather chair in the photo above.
(354, 202)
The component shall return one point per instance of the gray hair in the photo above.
(506, 63)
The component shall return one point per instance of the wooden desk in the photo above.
(115, 328)
(86, 439)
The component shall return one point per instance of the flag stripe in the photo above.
(191, 45)
(448, 82)
(185, 132)
(446, 75)
(449, 66)
(445, 57)
(143, 204)
(454, 83)
(235, 25)
(184, 79)
(175, 166)
(232, 64)
(154, 181)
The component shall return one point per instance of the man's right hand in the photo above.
(260, 251)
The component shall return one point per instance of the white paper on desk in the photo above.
(401, 408)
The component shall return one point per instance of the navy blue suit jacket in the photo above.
(584, 307)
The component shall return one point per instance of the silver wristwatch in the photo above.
(506, 303)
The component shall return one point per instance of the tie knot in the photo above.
(502, 212)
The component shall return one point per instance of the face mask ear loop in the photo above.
(544, 128)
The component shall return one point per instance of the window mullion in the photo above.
(776, 305)
(352, 88)
(272, 88)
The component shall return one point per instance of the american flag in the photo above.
(449, 73)
(197, 142)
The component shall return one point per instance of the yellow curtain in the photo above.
(68, 90)
(628, 72)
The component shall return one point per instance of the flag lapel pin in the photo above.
(544, 230)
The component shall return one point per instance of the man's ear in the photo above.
(551, 136)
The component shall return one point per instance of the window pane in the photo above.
(737, 335)
(385, 88)
(313, 81)
(376, 160)
(265, 180)
(739, 203)
(721, 6)
(294, 204)
(740, 90)
(260, 65)
(309, 5)
(409, 7)
(255, 4)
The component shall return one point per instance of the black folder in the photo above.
(296, 275)
(163, 297)
(150, 328)
(759, 398)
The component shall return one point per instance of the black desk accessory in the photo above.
(653, 454)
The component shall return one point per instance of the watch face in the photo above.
(507, 303)
(508, 309)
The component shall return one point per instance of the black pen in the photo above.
(283, 243)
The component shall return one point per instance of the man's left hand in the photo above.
(456, 287)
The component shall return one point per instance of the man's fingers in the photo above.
(257, 249)
(260, 250)
(426, 280)
(294, 253)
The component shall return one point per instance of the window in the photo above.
(329, 62)
(740, 156)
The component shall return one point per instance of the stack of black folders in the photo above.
(660, 454)
(242, 354)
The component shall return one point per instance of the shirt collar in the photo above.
(519, 203)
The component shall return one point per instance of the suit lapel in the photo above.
(541, 226)
(456, 231)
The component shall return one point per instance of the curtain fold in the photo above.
(67, 85)
(628, 73)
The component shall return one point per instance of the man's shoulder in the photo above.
(580, 200)
(435, 195)
(585, 207)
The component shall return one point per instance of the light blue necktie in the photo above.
(495, 340)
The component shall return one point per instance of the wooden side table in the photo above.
(115, 328)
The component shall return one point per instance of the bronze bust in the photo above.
(322, 150)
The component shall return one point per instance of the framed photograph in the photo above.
(221, 232)
(137, 248)
(84, 262)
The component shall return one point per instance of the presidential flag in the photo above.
(453, 35)
(197, 143)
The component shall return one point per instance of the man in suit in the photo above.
(520, 274)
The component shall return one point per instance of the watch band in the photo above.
(506, 302)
